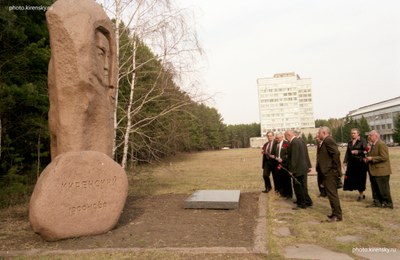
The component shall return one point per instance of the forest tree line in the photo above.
(164, 118)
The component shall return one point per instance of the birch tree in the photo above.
(163, 27)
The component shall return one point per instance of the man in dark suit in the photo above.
(380, 170)
(305, 148)
(328, 164)
(283, 178)
(298, 165)
(269, 163)
(297, 134)
(320, 177)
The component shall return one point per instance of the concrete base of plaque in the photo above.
(213, 199)
(78, 194)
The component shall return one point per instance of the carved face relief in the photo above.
(103, 58)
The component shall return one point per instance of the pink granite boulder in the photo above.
(78, 194)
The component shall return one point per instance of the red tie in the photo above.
(269, 148)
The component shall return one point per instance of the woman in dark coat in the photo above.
(356, 172)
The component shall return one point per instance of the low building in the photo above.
(258, 142)
(380, 116)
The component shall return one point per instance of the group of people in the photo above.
(288, 162)
(368, 156)
(285, 157)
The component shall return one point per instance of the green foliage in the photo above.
(310, 139)
(341, 128)
(342, 132)
(24, 58)
(238, 136)
(15, 188)
(364, 127)
(396, 130)
(321, 122)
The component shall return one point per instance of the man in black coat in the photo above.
(283, 178)
(269, 163)
(320, 178)
(298, 164)
(328, 163)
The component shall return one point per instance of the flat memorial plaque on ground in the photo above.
(213, 199)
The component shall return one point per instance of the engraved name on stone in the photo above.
(87, 184)
(87, 208)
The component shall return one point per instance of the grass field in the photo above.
(241, 169)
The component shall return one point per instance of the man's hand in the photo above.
(367, 159)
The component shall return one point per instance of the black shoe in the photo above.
(334, 219)
(299, 207)
(266, 190)
(330, 216)
(361, 198)
(388, 206)
(374, 205)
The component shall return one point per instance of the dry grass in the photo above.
(241, 169)
(183, 174)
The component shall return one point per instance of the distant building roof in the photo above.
(377, 106)
(287, 74)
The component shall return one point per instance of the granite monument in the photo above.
(82, 191)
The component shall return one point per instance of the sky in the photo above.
(349, 48)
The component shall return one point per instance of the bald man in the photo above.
(328, 164)
(380, 170)
(298, 165)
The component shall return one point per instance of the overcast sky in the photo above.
(349, 48)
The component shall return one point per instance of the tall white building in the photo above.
(285, 102)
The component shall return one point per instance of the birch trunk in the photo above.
(117, 24)
(129, 110)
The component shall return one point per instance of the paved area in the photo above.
(283, 216)
(307, 251)
(378, 253)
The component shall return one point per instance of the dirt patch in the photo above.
(148, 222)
